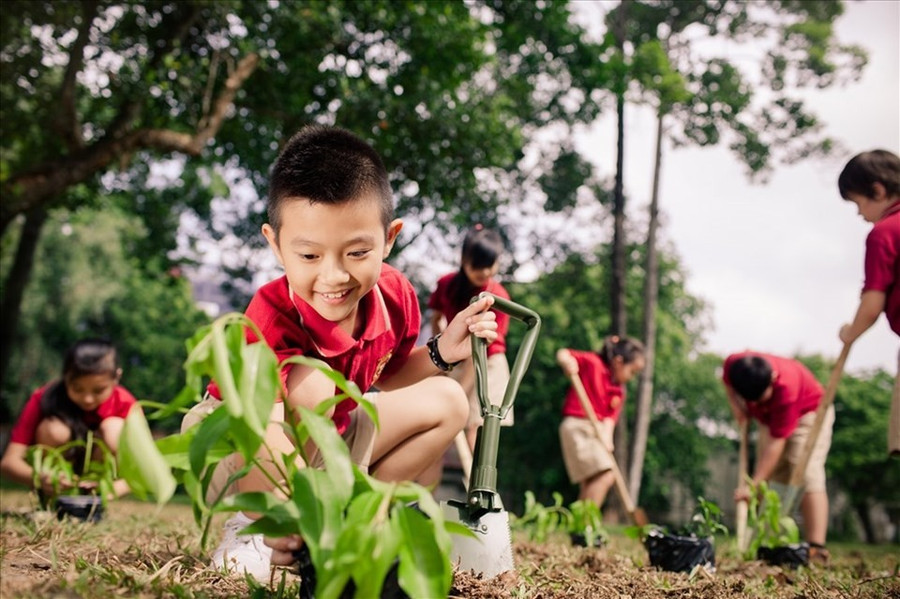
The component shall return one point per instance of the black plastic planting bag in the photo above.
(390, 590)
(87, 508)
(791, 556)
(679, 554)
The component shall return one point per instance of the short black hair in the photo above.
(750, 376)
(866, 169)
(328, 165)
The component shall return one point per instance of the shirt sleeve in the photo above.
(881, 256)
(24, 429)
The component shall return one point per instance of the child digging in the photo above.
(331, 225)
(603, 376)
(782, 395)
(871, 180)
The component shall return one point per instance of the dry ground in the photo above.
(137, 551)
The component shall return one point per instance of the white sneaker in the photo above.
(240, 553)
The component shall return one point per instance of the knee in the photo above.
(110, 430)
(52, 432)
(454, 400)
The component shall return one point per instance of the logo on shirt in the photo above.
(382, 362)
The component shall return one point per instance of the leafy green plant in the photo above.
(587, 520)
(766, 526)
(705, 523)
(538, 521)
(82, 466)
(355, 527)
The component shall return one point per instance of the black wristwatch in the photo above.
(435, 355)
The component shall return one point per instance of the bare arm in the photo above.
(736, 402)
(567, 362)
(871, 305)
(14, 467)
(438, 322)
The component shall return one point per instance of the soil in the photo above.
(138, 551)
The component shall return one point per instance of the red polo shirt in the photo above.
(882, 266)
(117, 405)
(795, 392)
(607, 397)
(292, 327)
(443, 298)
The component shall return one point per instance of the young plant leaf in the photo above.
(141, 463)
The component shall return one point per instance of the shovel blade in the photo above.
(490, 552)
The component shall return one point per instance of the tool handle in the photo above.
(742, 507)
(797, 474)
(621, 487)
(523, 357)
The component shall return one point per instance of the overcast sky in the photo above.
(782, 263)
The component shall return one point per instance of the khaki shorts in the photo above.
(498, 379)
(359, 437)
(583, 454)
(894, 426)
(814, 478)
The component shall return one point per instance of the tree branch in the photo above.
(67, 123)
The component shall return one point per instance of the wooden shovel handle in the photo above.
(741, 508)
(621, 488)
(799, 470)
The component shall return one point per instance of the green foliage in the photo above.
(355, 526)
(766, 526)
(705, 522)
(89, 475)
(540, 522)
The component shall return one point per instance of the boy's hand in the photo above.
(454, 344)
(283, 549)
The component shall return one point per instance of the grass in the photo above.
(139, 551)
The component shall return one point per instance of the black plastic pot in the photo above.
(579, 539)
(791, 556)
(679, 554)
(87, 508)
(390, 590)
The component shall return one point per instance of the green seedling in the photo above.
(587, 520)
(82, 466)
(538, 521)
(766, 526)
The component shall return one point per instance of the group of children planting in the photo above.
(331, 225)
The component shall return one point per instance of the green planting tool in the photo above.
(489, 551)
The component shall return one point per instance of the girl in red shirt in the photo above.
(87, 397)
(603, 375)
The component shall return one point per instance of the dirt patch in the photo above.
(139, 551)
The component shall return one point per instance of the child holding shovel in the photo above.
(603, 375)
(871, 180)
(331, 225)
(782, 395)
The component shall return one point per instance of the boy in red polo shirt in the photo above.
(871, 180)
(603, 375)
(782, 395)
(331, 225)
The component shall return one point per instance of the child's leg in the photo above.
(109, 432)
(595, 488)
(894, 426)
(52, 432)
(814, 507)
(417, 424)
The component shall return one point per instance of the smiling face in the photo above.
(332, 253)
(88, 391)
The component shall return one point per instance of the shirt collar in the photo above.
(328, 338)
(892, 209)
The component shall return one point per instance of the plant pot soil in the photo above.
(87, 508)
(579, 539)
(791, 556)
(390, 590)
(679, 554)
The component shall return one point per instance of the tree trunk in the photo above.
(644, 409)
(862, 510)
(16, 281)
(617, 286)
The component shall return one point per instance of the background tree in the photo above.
(442, 90)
